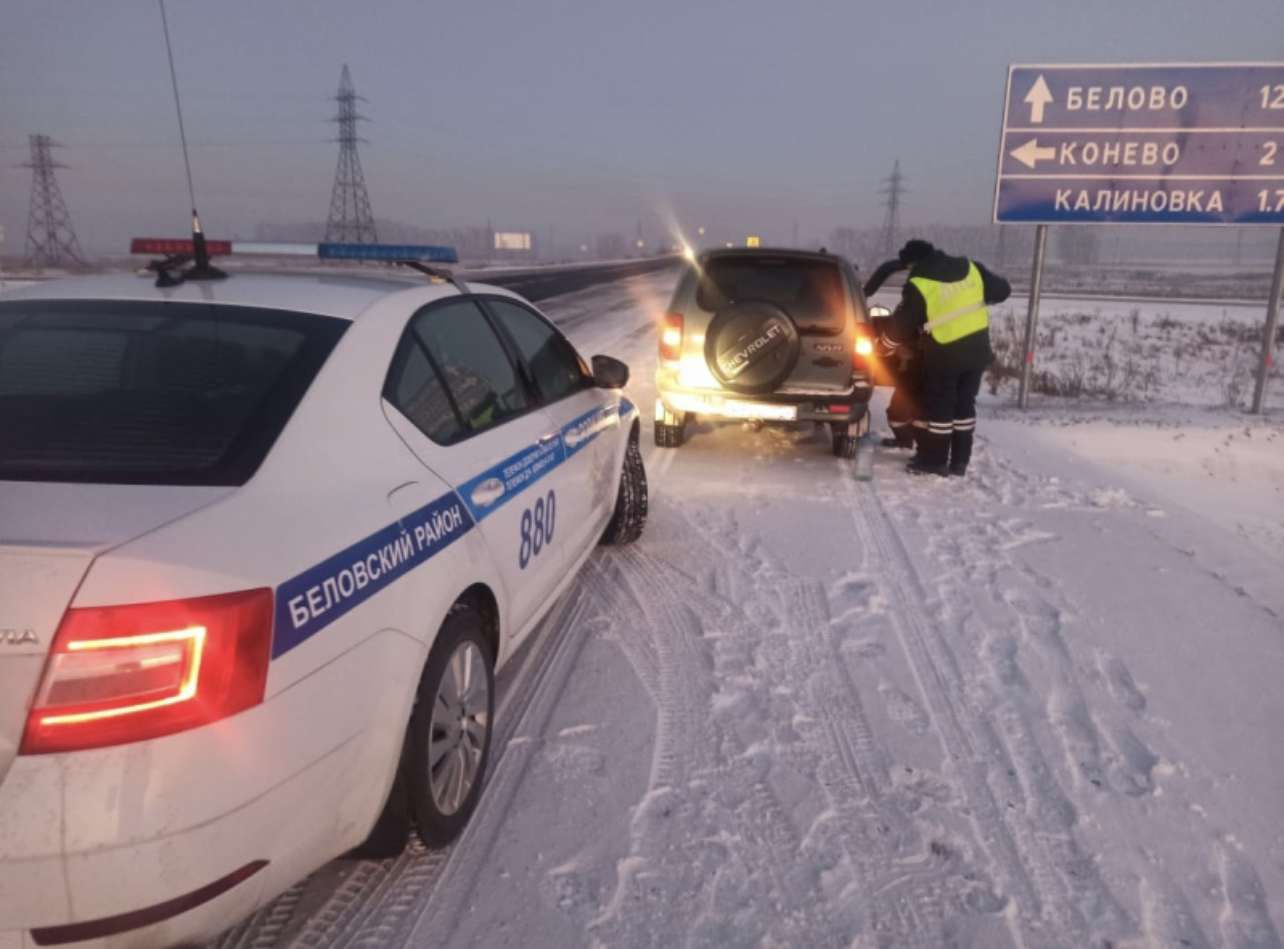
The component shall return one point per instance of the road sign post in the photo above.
(1032, 315)
(1164, 144)
(1268, 331)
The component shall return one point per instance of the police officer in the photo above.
(898, 361)
(944, 304)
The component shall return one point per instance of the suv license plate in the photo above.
(783, 413)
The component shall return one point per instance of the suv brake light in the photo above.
(120, 674)
(864, 347)
(671, 337)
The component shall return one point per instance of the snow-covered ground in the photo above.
(1133, 351)
(1036, 707)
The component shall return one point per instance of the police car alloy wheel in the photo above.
(450, 729)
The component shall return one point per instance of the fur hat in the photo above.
(914, 251)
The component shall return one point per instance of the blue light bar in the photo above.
(424, 252)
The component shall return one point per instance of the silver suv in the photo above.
(769, 336)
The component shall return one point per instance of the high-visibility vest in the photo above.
(956, 309)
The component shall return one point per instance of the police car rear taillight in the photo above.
(671, 336)
(122, 674)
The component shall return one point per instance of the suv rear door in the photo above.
(811, 290)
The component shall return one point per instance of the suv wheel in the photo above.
(671, 430)
(844, 444)
(846, 437)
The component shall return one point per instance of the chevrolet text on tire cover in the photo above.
(771, 336)
(265, 542)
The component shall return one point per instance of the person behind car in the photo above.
(944, 305)
(902, 363)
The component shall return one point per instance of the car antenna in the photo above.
(201, 269)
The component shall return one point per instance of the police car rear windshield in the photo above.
(150, 393)
(810, 291)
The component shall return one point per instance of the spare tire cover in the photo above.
(751, 347)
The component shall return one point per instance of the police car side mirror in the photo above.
(609, 373)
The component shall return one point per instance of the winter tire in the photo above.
(751, 347)
(844, 444)
(450, 729)
(671, 431)
(846, 436)
(629, 518)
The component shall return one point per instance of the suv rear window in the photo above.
(150, 393)
(810, 291)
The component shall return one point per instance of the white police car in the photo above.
(263, 542)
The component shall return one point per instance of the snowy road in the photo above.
(1039, 707)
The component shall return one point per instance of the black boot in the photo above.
(933, 454)
(960, 452)
(901, 438)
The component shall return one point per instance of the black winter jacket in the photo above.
(970, 352)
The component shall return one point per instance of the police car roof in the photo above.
(340, 295)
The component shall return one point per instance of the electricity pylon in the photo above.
(350, 220)
(892, 219)
(51, 240)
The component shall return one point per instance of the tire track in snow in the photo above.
(1089, 707)
(863, 870)
(914, 884)
(980, 753)
(988, 588)
(703, 776)
(263, 929)
(910, 885)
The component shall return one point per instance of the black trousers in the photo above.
(905, 407)
(949, 403)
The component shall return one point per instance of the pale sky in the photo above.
(583, 116)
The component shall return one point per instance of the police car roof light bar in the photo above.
(390, 253)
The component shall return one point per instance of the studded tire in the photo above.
(448, 743)
(669, 436)
(629, 518)
(844, 445)
(846, 437)
(671, 430)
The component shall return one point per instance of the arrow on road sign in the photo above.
(1037, 98)
(1030, 153)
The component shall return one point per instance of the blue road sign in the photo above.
(1142, 145)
